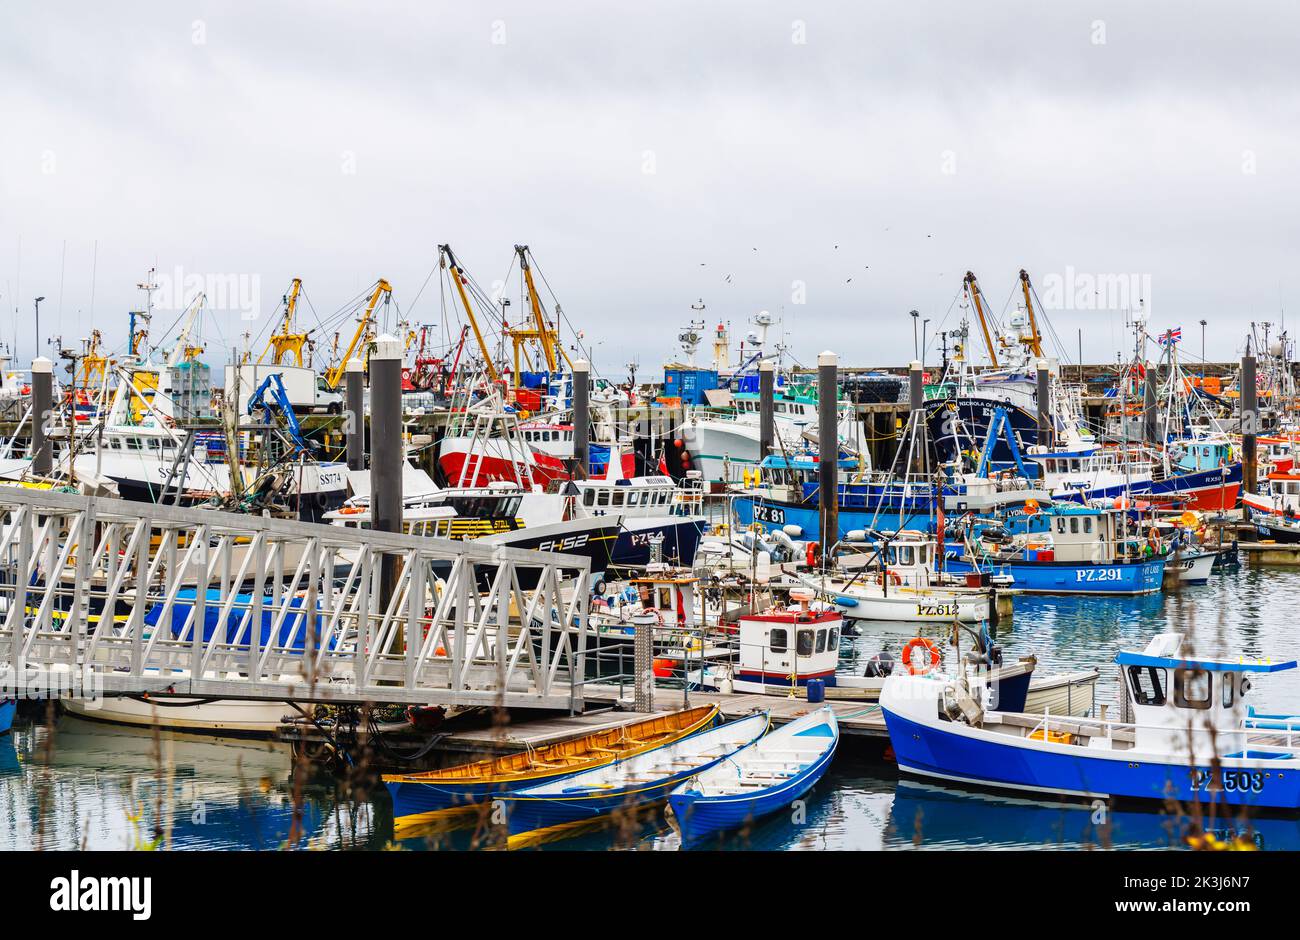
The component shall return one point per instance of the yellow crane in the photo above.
(446, 259)
(540, 331)
(1034, 340)
(286, 341)
(977, 297)
(335, 374)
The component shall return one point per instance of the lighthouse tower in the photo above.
(721, 352)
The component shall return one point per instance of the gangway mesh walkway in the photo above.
(132, 597)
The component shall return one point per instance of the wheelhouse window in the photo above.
(778, 641)
(602, 498)
(1147, 684)
(805, 639)
(821, 641)
(1192, 688)
(833, 641)
(1229, 681)
(588, 497)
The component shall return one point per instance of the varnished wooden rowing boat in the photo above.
(480, 781)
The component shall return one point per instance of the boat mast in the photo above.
(1034, 340)
(973, 290)
(335, 374)
(445, 259)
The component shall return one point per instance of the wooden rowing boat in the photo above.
(478, 782)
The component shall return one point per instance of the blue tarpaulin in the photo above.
(184, 604)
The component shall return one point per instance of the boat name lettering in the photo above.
(1098, 574)
(1234, 781)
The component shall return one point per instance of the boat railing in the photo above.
(1279, 726)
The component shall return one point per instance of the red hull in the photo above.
(497, 469)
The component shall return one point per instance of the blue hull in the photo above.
(524, 814)
(7, 711)
(1208, 489)
(700, 816)
(412, 798)
(932, 752)
(772, 515)
(681, 540)
(1061, 577)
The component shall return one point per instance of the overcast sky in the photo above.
(656, 154)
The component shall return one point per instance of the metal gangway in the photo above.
(144, 598)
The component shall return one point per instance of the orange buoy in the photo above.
(663, 668)
(935, 658)
(1031, 506)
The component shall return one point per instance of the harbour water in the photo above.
(100, 787)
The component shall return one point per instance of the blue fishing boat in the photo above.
(759, 780)
(8, 708)
(1192, 737)
(1074, 550)
(628, 783)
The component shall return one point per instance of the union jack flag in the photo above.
(1171, 336)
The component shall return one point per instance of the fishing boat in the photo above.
(1192, 737)
(477, 782)
(8, 708)
(627, 783)
(1080, 551)
(759, 780)
(782, 650)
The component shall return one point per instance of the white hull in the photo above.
(226, 716)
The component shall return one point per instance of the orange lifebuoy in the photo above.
(936, 657)
(893, 577)
(351, 510)
(811, 554)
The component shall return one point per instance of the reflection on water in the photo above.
(103, 787)
(99, 787)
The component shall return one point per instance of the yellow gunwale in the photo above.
(588, 751)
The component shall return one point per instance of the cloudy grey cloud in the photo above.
(655, 154)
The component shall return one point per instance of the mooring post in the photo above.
(916, 405)
(355, 393)
(42, 415)
(1249, 420)
(828, 447)
(1044, 396)
(582, 421)
(1150, 413)
(766, 418)
(643, 685)
(386, 450)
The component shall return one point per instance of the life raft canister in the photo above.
(936, 657)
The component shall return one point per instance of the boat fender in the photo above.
(810, 554)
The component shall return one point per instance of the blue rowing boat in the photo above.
(7, 709)
(757, 781)
(628, 783)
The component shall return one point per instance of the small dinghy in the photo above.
(8, 707)
(479, 781)
(625, 784)
(766, 778)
